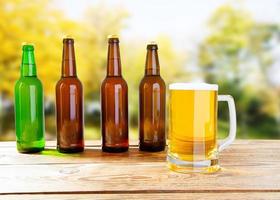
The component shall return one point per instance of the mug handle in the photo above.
(232, 122)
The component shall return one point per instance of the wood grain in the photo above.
(258, 151)
(156, 196)
(250, 169)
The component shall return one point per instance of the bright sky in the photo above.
(184, 21)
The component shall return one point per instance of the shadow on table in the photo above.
(96, 153)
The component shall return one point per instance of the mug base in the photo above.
(203, 166)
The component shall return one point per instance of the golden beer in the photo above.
(193, 124)
(193, 127)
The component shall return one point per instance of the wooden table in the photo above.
(251, 170)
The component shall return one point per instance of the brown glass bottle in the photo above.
(114, 103)
(152, 104)
(69, 104)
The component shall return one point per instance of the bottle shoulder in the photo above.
(28, 81)
(114, 81)
(64, 81)
(152, 80)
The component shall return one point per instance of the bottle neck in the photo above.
(68, 59)
(114, 60)
(28, 66)
(152, 62)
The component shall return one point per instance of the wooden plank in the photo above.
(157, 196)
(241, 153)
(248, 166)
(51, 144)
(136, 177)
(133, 143)
(12, 144)
(91, 155)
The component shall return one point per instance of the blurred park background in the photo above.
(233, 43)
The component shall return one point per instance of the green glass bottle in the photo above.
(29, 109)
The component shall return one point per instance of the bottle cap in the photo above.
(68, 39)
(152, 45)
(113, 38)
(27, 46)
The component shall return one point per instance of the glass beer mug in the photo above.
(192, 139)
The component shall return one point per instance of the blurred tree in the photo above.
(42, 23)
(237, 55)
(39, 22)
(99, 22)
(35, 22)
(172, 68)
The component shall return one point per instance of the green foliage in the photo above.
(39, 22)
(134, 56)
(34, 22)
(99, 22)
(237, 55)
